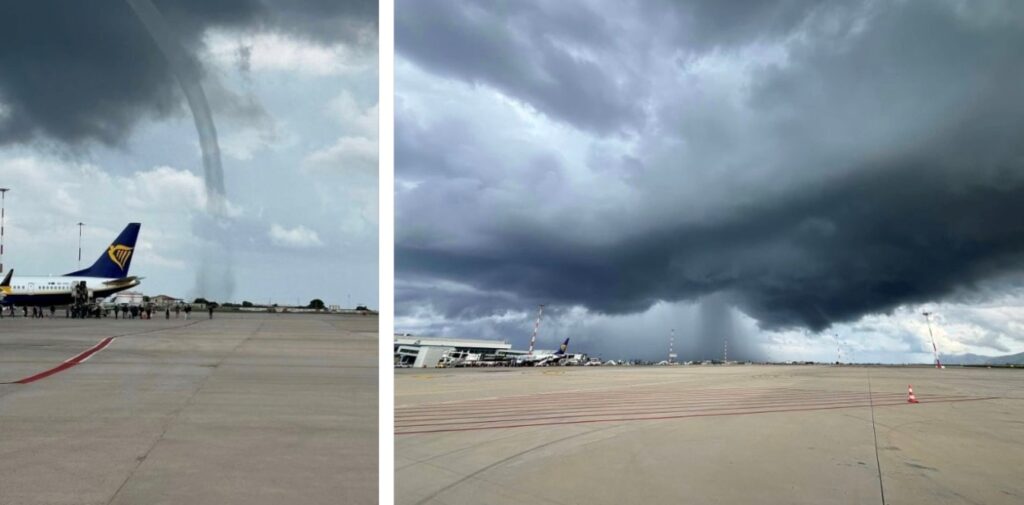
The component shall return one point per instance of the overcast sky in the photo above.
(94, 127)
(773, 172)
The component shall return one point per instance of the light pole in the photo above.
(3, 197)
(671, 345)
(935, 350)
(839, 352)
(80, 225)
(536, 326)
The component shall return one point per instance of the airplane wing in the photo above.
(122, 281)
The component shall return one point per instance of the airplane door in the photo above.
(31, 288)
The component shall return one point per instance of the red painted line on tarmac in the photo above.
(70, 362)
(678, 416)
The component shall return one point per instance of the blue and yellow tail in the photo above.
(562, 348)
(114, 262)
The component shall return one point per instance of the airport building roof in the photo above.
(451, 342)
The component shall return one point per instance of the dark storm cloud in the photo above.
(879, 163)
(325, 20)
(904, 231)
(703, 25)
(77, 72)
(525, 50)
(572, 61)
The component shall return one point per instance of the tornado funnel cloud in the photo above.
(214, 277)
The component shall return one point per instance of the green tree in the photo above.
(317, 304)
(200, 300)
(246, 303)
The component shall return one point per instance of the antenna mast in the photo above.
(671, 345)
(935, 350)
(3, 211)
(536, 326)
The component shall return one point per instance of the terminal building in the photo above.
(426, 352)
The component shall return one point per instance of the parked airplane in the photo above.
(542, 358)
(108, 275)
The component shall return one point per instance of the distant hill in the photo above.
(1010, 359)
(975, 359)
(965, 359)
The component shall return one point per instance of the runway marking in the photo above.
(646, 409)
(560, 394)
(85, 355)
(68, 363)
(619, 399)
(643, 405)
(650, 402)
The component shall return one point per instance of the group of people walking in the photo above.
(121, 311)
(36, 312)
(126, 311)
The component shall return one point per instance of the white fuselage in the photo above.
(537, 356)
(57, 290)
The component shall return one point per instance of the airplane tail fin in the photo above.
(563, 348)
(5, 286)
(114, 262)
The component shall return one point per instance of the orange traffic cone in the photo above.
(910, 394)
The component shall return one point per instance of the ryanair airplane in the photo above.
(108, 275)
(542, 358)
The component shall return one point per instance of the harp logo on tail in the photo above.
(119, 254)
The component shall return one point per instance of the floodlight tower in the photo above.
(671, 345)
(80, 225)
(839, 350)
(725, 351)
(536, 326)
(935, 350)
(3, 204)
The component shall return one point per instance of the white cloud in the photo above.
(244, 143)
(349, 155)
(299, 237)
(169, 190)
(354, 119)
(277, 52)
(53, 194)
(992, 329)
(50, 195)
(152, 251)
(56, 187)
(163, 187)
(355, 152)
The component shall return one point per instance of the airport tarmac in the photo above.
(243, 408)
(709, 434)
